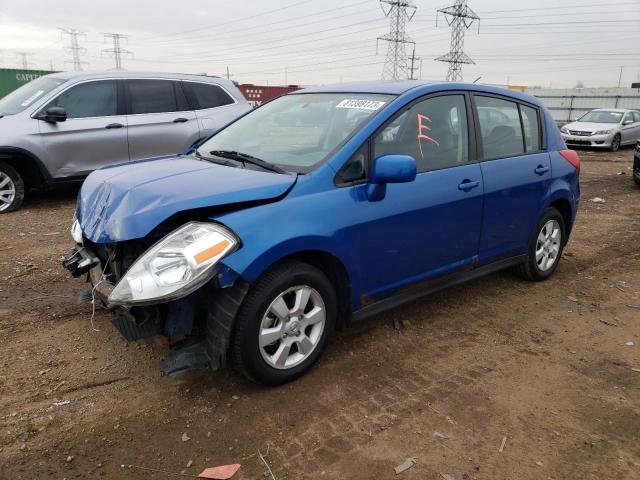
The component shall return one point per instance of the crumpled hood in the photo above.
(590, 126)
(127, 201)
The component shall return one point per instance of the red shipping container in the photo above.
(256, 95)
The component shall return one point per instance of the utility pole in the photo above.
(414, 66)
(399, 13)
(24, 60)
(286, 71)
(228, 72)
(620, 76)
(117, 51)
(459, 17)
(74, 48)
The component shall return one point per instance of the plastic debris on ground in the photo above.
(222, 472)
(406, 465)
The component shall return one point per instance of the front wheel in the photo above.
(11, 188)
(615, 143)
(545, 248)
(284, 323)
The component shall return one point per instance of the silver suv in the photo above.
(60, 127)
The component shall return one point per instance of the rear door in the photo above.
(94, 134)
(516, 170)
(159, 118)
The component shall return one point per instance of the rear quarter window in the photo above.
(206, 95)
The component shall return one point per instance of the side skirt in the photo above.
(444, 282)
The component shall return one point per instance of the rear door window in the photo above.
(151, 96)
(206, 95)
(500, 127)
(89, 99)
(531, 128)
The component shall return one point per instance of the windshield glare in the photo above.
(25, 96)
(297, 132)
(602, 117)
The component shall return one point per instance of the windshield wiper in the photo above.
(214, 160)
(246, 158)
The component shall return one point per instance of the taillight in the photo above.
(572, 157)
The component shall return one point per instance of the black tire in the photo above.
(18, 185)
(246, 355)
(615, 143)
(636, 179)
(530, 269)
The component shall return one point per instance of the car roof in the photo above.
(132, 74)
(384, 87)
(380, 87)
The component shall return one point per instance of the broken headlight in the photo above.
(175, 266)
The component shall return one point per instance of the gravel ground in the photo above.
(550, 371)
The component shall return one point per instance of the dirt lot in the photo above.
(549, 366)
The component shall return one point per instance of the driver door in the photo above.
(94, 134)
(431, 226)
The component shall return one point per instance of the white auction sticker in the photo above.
(360, 104)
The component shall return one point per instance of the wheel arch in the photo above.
(564, 207)
(321, 258)
(28, 165)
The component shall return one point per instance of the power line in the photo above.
(399, 13)
(117, 51)
(459, 17)
(74, 49)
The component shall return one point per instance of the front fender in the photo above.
(252, 260)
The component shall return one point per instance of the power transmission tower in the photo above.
(414, 66)
(117, 51)
(74, 49)
(399, 13)
(459, 17)
(24, 60)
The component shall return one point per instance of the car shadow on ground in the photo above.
(59, 195)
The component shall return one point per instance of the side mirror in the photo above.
(627, 122)
(54, 115)
(389, 169)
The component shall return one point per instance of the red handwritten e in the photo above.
(422, 129)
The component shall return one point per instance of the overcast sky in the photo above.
(546, 42)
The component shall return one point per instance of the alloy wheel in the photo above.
(615, 143)
(548, 245)
(7, 191)
(292, 327)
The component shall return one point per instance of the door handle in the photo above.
(467, 185)
(180, 120)
(541, 170)
(114, 125)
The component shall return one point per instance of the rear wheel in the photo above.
(284, 323)
(11, 188)
(615, 143)
(545, 248)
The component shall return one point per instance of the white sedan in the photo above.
(604, 127)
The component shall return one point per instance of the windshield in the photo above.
(23, 97)
(297, 132)
(602, 116)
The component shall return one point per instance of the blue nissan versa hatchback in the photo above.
(319, 208)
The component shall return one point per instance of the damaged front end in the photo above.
(174, 291)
